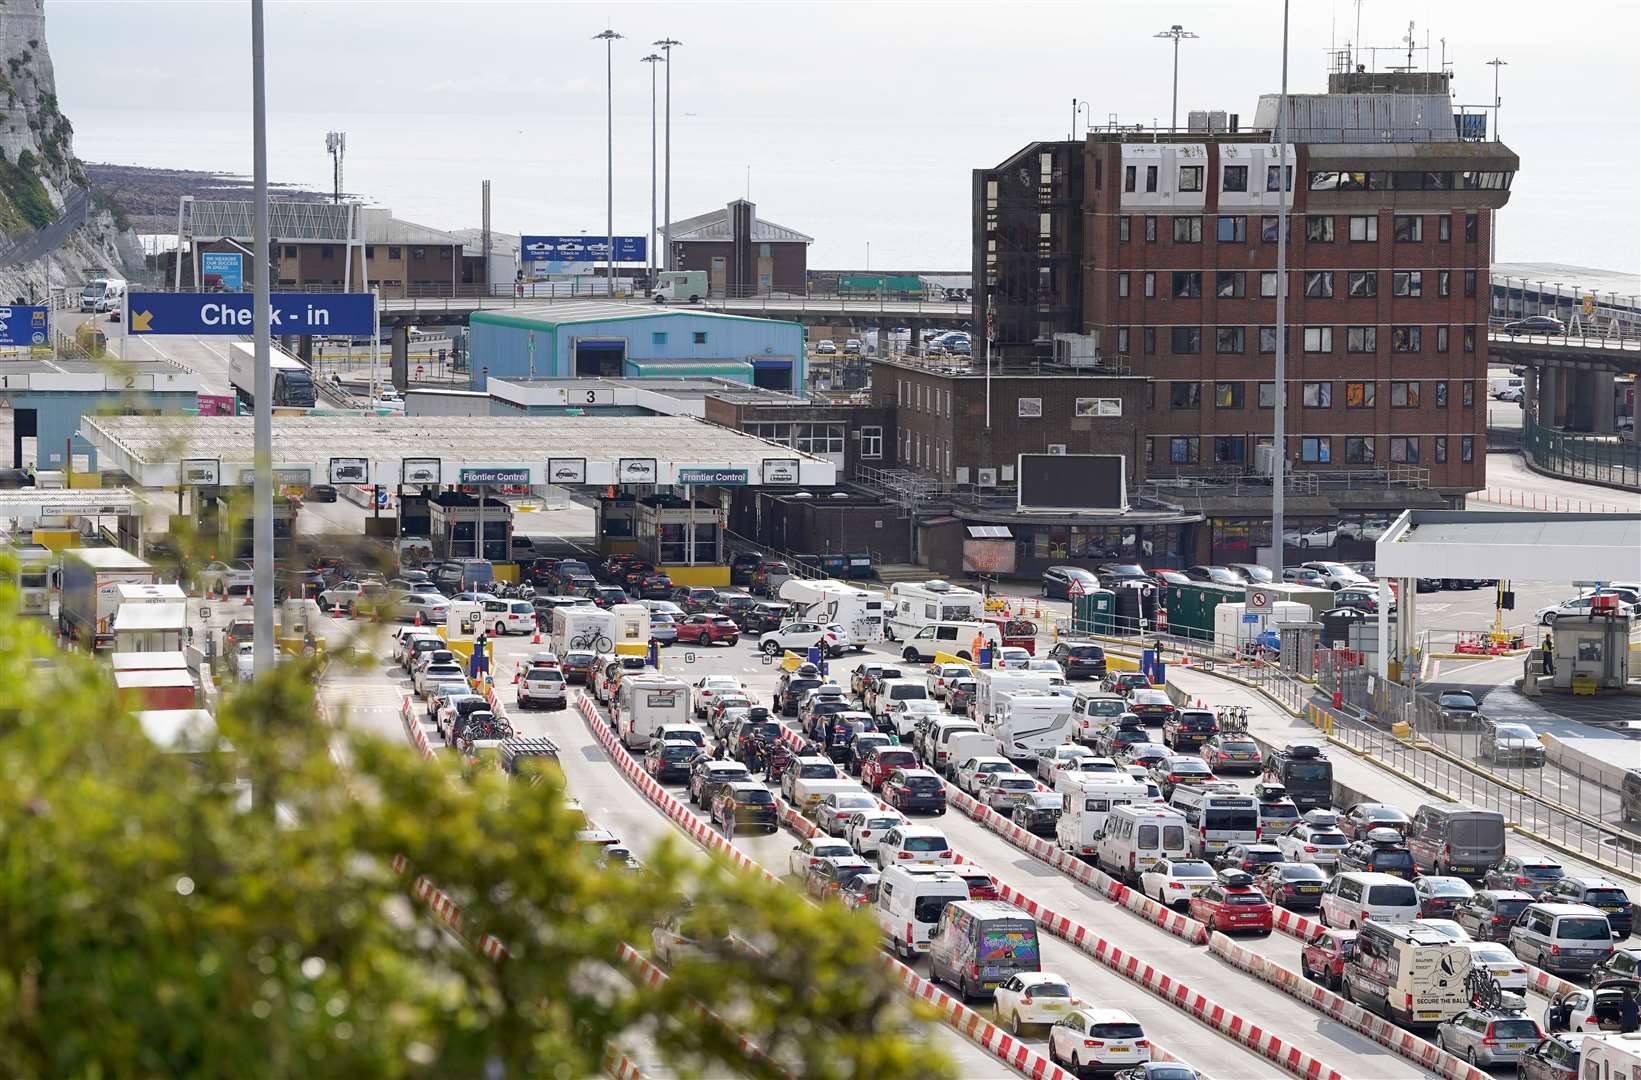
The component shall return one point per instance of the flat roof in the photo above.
(69, 502)
(151, 616)
(182, 731)
(590, 450)
(25, 373)
(546, 315)
(1626, 284)
(1511, 545)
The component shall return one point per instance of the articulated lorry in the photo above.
(91, 592)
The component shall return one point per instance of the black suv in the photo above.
(741, 565)
(1188, 729)
(1305, 771)
(791, 686)
(765, 616)
(1381, 852)
(1057, 581)
(1600, 893)
(1079, 659)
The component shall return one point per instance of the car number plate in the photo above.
(1430, 1014)
(1516, 1046)
(1310, 888)
(1118, 1049)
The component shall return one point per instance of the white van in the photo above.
(1091, 713)
(829, 602)
(1028, 724)
(1138, 835)
(909, 902)
(1089, 799)
(913, 605)
(990, 682)
(895, 690)
(1414, 975)
(956, 638)
(1354, 897)
(646, 702)
(935, 745)
(1219, 816)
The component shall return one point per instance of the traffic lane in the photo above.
(1564, 786)
(1090, 980)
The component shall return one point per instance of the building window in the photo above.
(700, 337)
(1316, 449)
(1470, 339)
(1231, 230)
(1407, 283)
(1359, 395)
(1408, 228)
(1441, 449)
(1404, 449)
(1405, 339)
(1228, 395)
(1319, 229)
(1317, 395)
(1467, 448)
(871, 443)
(1122, 284)
(326, 251)
(370, 251)
(1150, 283)
(1441, 393)
(1267, 229)
(1469, 282)
(1122, 341)
(1319, 284)
(1469, 394)
(1029, 408)
(1318, 339)
(1230, 340)
(1364, 228)
(1361, 339)
(1150, 229)
(1404, 395)
(1187, 284)
(1190, 177)
(1441, 339)
(1272, 177)
(658, 337)
(1149, 334)
(290, 251)
(818, 438)
(1184, 395)
(1185, 339)
(394, 252)
(1359, 450)
(1123, 227)
(1230, 450)
(1363, 282)
(1471, 227)
(1444, 228)
(1229, 284)
(1267, 395)
(1150, 178)
(1182, 451)
(1235, 178)
(1129, 174)
(418, 253)
(1267, 283)
(1267, 340)
(1444, 283)
(776, 433)
(1187, 230)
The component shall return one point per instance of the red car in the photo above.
(708, 629)
(1324, 959)
(882, 762)
(1232, 904)
(982, 886)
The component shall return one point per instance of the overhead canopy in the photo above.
(1511, 545)
(450, 450)
(150, 616)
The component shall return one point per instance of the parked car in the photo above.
(1057, 581)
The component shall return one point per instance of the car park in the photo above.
(1323, 959)
(1101, 1040)
(1173, 882)
(1231, 904)
(1336, 575)
(1295, 886)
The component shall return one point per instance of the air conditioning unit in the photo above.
(962, 474)
(986, 478)
(1057, 449)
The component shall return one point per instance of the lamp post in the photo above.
(1178, 33)
(262, 546)
(1495, 64)
(1279, 460)
(666, 46)
(609, 38)
(652, 59)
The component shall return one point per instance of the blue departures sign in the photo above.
(628, 249)
(302, 314)
(23, 326)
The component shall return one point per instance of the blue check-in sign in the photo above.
(300, 314)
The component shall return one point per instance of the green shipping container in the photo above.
(902, 285)
(1191, 607)
(1094, 612)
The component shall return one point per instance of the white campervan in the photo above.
(914, 605)
(1219, 816)
(990, 683)
(1089, 799)
(1029, 723)
(829, 602)
(646, 702)
(909, 902)
(955, 638)
(1137, 836)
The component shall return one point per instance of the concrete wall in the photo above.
(59, 413)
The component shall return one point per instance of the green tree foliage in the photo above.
(155, 921)
(21, 186)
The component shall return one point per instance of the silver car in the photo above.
(427, 609)
(663, 628)
(1489, 1037)
(1511, 744)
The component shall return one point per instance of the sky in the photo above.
(856, 123)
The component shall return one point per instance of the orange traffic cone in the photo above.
(1185, 660)
(418, 618)
(535, 639)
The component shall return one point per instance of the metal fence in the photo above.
(1610, 459)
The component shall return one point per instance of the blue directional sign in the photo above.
(301, 314)
(222, 270)
(23, 325)
(628, 249)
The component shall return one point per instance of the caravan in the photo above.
(830, 602)
(645, 703)
(1030, 723)
(913, 606)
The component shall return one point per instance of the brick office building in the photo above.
(742, 254)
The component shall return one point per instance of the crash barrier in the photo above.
(962, 1019)
(1421, 1052)
(653, 977)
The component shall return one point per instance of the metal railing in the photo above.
(1617, 335)
(1603, 459)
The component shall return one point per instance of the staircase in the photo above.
(896, 573)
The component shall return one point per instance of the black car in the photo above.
(790, 688)
(706, 775)
(1536, 324)
(1489, 914)
(745, 804)
(960, 696)
(1079, 659)
(1111, 742)
(1113, 574)
(1057, 581)
(1218, 575)
(741, 565)
(321, 493)
(1381, 852)
(1188, 729)
(1603, 894)
(1459, 708)
(669, 761)
(765, 616)
(1039, 813)
(1295, 886)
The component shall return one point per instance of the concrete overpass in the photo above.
(1569, 377)
(454, 310)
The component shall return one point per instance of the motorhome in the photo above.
(1138, 835)
(1027, 723)
(646, 702)
(990, 682)
(914, 605)
(680, 286)
(102, 294)
(830, 602)
(909, 902)
(1088, 801)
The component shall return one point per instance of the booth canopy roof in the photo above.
(1511, 546)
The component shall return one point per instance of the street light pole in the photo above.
(262, 546)
(609, 38)
(649, 244)
(666, 47)
(1177, 33)
(1279, 460)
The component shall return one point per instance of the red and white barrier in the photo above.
(1542, 982)
(413, 729)
(1299, 926)
(653, 977)
(1422, 1053)
(619, 1066)
(976, 1028)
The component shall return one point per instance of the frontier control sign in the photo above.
(302, 314)
(711, 476)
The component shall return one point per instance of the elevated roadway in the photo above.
(454, 310)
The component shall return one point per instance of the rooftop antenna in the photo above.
(336, 144)
(1356, 42)
(1410, 41)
